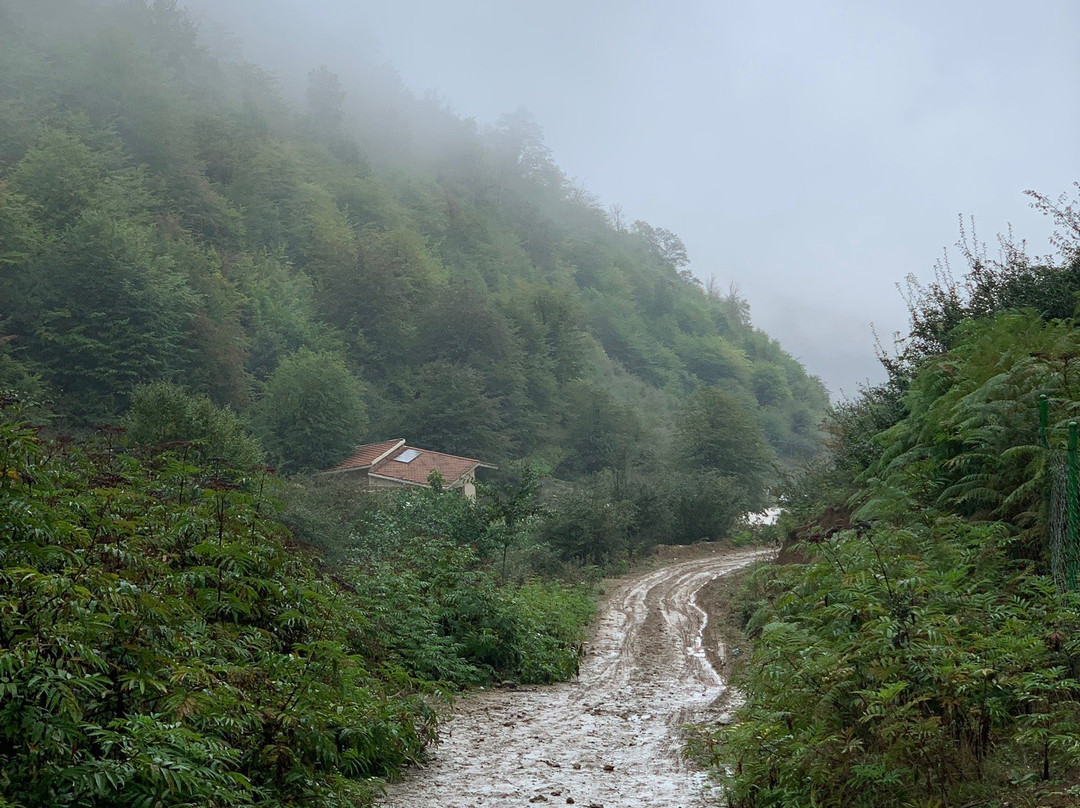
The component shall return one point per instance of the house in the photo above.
(392, 464)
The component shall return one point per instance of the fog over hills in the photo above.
(812, 154)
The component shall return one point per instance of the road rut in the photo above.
(610, 738)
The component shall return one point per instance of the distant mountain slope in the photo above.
(165, 215)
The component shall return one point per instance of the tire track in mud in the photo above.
(610, 738)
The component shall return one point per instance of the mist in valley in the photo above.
(813, 155)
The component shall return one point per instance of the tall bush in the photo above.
(312, 412)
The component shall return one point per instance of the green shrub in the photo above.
(429, 563)
(553, 621)
(164, 414)
(905, 666)
(161, 644)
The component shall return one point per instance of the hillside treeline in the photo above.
(927, 650)
(333, 276)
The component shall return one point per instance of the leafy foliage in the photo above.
(610, 520)
(906, 666)
(717, 431)
(159, 644)
(971, 419)
(165, 415)
(433, 566)
(313, 411)
(927, 656)
(164, 642)
(167, 218)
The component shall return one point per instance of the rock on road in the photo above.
(610, 738)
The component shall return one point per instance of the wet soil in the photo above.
(612, 737)
(726, 644)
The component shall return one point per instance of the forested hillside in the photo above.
(198, 282)
(362, 268)
(926, 649)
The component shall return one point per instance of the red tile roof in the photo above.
(380, 460)
(363, 457)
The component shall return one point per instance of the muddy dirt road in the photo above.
(612, 737)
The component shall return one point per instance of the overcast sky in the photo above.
(811, 152)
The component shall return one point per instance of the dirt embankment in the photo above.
(613, 736)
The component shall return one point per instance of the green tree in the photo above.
(162, 414)
(109, 312)
(325, 97)
(601, 433)
(667, 246)
(702, 506)
(372, 295)
(519, 141)
(717, 430)
(312, 411)
(770, 384)
(277, 312)
(586, 526)
(20, 240)
(59, 176)
(447, 409)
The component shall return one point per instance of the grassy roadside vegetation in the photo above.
(917, 646)
(178, 631)
(166, 641)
